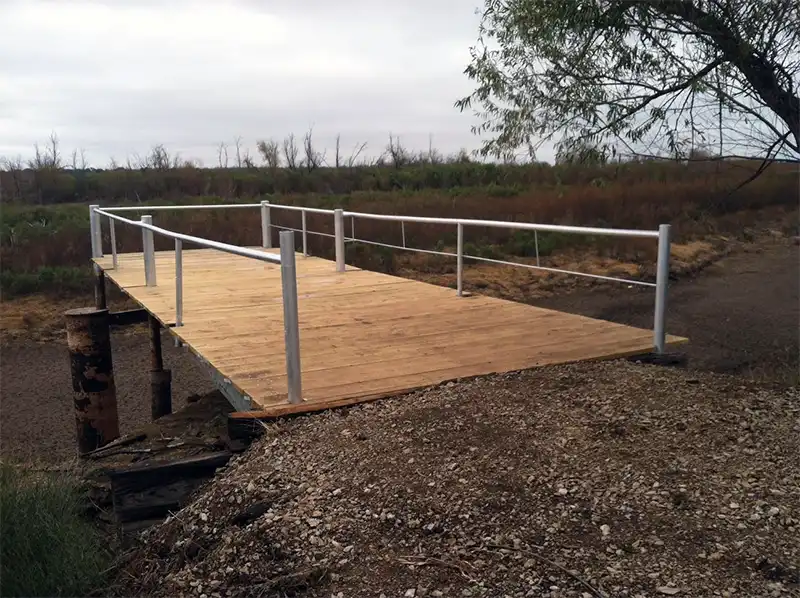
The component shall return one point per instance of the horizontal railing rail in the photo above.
(662, 235)
(286, 259)
(218, 245)
(341, 238)
(210, 206)
(583, 230)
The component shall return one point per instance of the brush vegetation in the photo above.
(47, 545)
(46, 247)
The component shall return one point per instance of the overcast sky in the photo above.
(117, 76)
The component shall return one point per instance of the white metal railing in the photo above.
(287, 261)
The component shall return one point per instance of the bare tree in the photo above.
(398, 155)
(49, 158)
(78, 159)
(38, 161)
(55, 153)
(178, 162)
(337, 153)
(14, 167)
(157, 159)
(136, 161)
(313, 159)
(222, 154)
(270, 152)
(237, 141)
(290, 152)
(247, 159)
(434, 156)
(357, 151)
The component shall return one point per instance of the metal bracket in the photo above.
(240, 401)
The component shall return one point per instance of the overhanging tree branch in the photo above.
(641, 73)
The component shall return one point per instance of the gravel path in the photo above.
(604, 479)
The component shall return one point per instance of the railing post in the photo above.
(305, 234)
(266, 226)
(113, 231)
(291, 325)
(338, 230)
(460, 260)
(178, 282)
(93, 226)
(536, 243)
(98, 230)
(662, 281)
(149, 253)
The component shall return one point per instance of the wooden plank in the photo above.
(154, 489)
(363, 334)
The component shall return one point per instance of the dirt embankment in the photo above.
(605, 479)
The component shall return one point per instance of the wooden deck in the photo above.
(363, 335)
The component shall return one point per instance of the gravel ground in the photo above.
(604, 479)
(740, 314)
(37, 419)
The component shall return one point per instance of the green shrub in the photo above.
(62, 280)
(47, 547)
(483, 250)
(523, 243)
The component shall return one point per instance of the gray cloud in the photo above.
(118, 77)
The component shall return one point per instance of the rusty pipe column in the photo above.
(94, 391)
(160, 379)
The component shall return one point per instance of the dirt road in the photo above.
(741, 316)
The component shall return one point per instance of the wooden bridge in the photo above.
(364, 335)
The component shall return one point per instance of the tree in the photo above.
(313, 159)
(398, 154)
(237, 142)
(270, 152)
(290, 152)
(648, 77)
(222, 154)
(580, 153)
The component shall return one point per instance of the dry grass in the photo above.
(41, 316)
(697, 201)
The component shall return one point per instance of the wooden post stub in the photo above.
(95, 396)
(99, 288)
(160, 379)
(161, 389)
